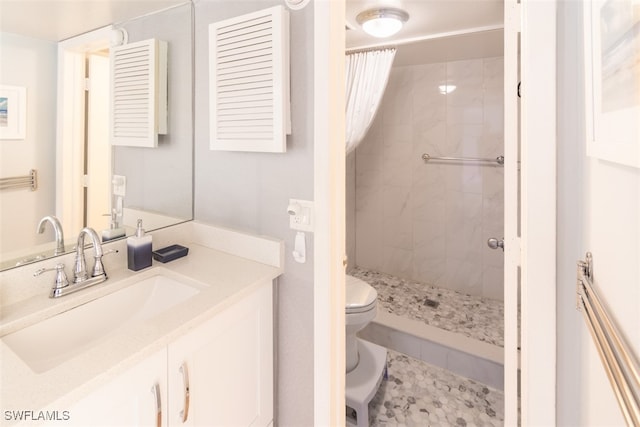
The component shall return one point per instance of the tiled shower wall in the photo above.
(430, 221)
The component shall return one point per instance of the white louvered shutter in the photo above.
(138, 93)
(249, 82)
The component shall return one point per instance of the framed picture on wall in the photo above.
(13, 112)
(612, 80)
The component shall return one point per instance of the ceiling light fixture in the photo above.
(383, 22)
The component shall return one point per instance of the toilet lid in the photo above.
(360, 296)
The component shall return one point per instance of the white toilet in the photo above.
(360, 310)
(365, 361)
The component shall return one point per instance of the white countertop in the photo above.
(226, 278)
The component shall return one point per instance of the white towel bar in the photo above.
(26, 181)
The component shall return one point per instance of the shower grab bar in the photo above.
(26, 181)
(498, 160)
(618, 360)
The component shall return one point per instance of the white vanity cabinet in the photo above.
(137, 397)
(218, 374)
(229, 360)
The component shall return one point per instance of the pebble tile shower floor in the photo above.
(416, 393)
(475, 317)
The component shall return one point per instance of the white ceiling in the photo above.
(60, 19)
(437, 30)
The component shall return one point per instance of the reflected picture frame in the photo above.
(13, 112)
(612, 80)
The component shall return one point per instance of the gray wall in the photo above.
(250, 192)
(32, 64)
(569, 243)
(598, 211)
(571, 138)
(159, 179)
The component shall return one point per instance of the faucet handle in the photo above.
(61, 279)
(98, 267)
(59, 268)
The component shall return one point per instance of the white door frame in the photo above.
(512, 252)
(70, 136)
(98, 155)
(538, 210)
(329, 194)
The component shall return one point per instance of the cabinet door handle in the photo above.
(156, 394)
(184, 414)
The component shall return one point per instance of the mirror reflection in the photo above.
(83, 179)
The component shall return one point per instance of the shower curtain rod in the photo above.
(369, 49)
(427, 37)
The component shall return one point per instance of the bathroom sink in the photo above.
(47, 344)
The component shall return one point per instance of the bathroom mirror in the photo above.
(77, 184)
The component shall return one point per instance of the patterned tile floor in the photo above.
(418, 394)
(475, 317)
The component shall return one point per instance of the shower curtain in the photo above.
(367, 74)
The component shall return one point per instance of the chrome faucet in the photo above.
(80, 270)
(81, 278)
(61, 285)
(57, 229)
